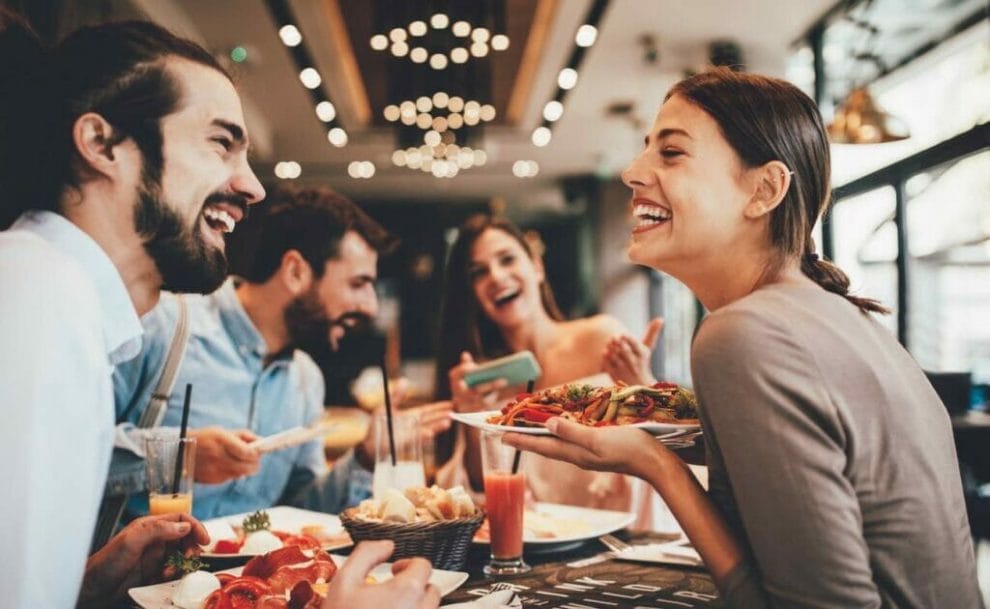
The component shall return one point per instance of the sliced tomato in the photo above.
(535, 416)
(227, 546)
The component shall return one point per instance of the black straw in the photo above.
(515, 459)
(182, 436)
(388, 412)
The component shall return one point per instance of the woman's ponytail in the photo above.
(833, 279)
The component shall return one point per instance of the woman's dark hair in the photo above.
(311, 221)
(463, 327)
(116, 70)
(766, 119)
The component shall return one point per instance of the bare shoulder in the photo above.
(595, 329)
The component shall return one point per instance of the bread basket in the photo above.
(444, 542)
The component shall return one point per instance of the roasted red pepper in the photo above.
(535, 416)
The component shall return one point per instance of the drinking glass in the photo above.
(504, 494)
(408, 469)
(170, 473)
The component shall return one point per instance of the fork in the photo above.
(614, 543)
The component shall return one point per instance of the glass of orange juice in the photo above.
(171, 462)
(505, 491)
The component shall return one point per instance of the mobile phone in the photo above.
(516, 369)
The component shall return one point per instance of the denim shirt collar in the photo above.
(238, 324)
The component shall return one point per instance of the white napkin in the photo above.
(501, 599)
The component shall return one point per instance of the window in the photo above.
(865, 247)
(948, 236)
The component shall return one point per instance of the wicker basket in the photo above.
(444, 542)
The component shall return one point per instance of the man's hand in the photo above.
(136, 556)
(409, 589)
(223, 455)
(628, 360)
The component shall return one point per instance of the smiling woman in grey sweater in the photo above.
(833, 474)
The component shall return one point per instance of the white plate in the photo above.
(568, 524)
(478, 419)
(159, 596)
(291, 520)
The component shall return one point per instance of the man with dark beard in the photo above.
(308, 264)
(123, 161)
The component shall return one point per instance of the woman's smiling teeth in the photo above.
(219, 219)
(649, 215)
(505, 296)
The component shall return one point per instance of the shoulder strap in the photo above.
(155, 411)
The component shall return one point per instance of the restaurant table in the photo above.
(611, 584)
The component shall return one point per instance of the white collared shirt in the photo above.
(65, 320)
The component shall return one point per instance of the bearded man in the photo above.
(307, 261)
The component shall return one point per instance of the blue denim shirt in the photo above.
(234, 388)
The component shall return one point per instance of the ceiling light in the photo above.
(461, 29)
(424, 120)
(586, 35)
(292, 170)
(438, 61)
(424, 104)
(439, 123)
(567, 78)
(456, 104)
(397, 34)
(541, 136)
(290, 35)
(480, 158)
(480, 34)
(519, 169)
(280, 170)
(310, 78)
(500, 42)
(533, 168)
(419, 54)
(479, 49)
(391, 113)
(471, 119)
(408, 108)
(337, 137)
(471, 107)
(399, 158)
(459, 54)
(417, 28)
(432, 138)
(400, 49)
(452, 151)
(409, 119)
(439, 21)
(455, 121)
(487, 112)
(326, 112)
(859, 121)
(379, 42)
(354, 169)
(553, 110)
(440, 99)
(366, 169)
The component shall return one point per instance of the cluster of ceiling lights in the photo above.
(477, 42)
(567, 79)
(288, 170)
(441, 160)
(525, 169)
(458, 112)
(441, 114)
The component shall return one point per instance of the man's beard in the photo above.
(308, 324)
(184, 260)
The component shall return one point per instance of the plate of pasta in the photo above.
(662, 409)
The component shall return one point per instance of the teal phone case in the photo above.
(516, 369)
